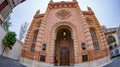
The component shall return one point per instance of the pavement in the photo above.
(115, 63)
(8, 62)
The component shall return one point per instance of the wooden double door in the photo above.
(64, 56)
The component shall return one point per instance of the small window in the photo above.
(84, 57)
(111, 47)
(115, 45)
(116, 51)
(44, 47)
(42, 57)
(83, 46)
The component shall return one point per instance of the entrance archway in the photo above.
(64, 49)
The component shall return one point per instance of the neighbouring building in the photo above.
(6, 7)
(118, 34)
(65, 35)
(113, 40)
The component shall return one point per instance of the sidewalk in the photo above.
(115, 63)
(8, 62)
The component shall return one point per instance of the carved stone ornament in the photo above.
(63, 14)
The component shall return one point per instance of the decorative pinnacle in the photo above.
(89, 9)
(37, 13)
(74, 0)
(51, 0)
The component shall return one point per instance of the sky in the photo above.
(106, 11)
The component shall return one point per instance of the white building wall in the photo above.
(2, 34)
(118, 34)
(112, 52)
(15, 53)
(116, 38)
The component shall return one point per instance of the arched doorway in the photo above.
(64, 50)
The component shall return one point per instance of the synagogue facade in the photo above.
(65, 35)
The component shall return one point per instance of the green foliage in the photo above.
(6, 24)
(9, 39)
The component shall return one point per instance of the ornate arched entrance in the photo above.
(64, 49)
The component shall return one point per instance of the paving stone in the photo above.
(115, 63)
(8, 62)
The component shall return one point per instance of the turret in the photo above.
(37, 13)
(74, 1)
(90, 10)
(51, 1)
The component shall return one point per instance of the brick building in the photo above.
(67, 34)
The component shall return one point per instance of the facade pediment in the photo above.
(63, 5)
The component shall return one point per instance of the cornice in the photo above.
(62, 5)
(87, 13)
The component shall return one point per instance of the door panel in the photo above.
(64, 56)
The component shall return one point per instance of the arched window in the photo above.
(94, 39)
(93, 34)
(33, 41)
(35, 36)
(111, 39)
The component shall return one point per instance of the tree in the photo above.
(23, 30)
(9, 40)
(6, 24)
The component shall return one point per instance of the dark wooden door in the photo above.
(64, 56)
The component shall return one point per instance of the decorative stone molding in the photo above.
(63, 14)
(63, 5)
(53, 37)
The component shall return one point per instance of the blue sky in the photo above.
(106, 11)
